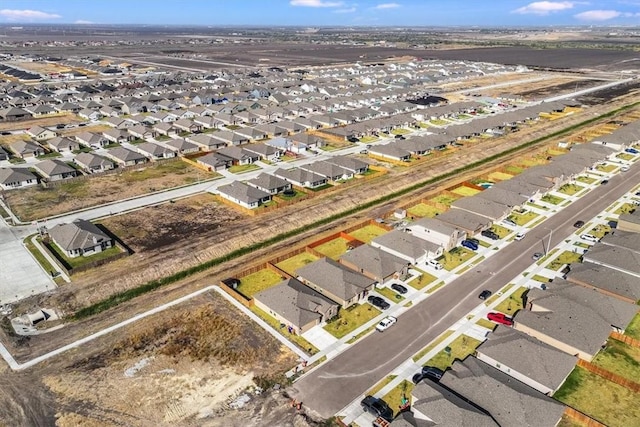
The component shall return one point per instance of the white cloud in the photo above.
(346, 10)
(27, 15)
(316, 3)
(387, 6)
(82, 21)
(598, 15)
(545, 7)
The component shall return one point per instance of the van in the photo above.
(434, 264)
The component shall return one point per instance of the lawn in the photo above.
(625, 156)
(499, 176)
(620, 358)
(83, 260)
(459, 349)
(566, 257)
(515, 170)
(38, 255)
(423, 210)
(367, 233)
(542, 208)
(296, 195)
(243, 168)
(397, 394)
(633, 330)
(606, 168)
(455, 257)
(435, 287)
(421, 281)
(570, 189)
(350, 319)
(290, 265)
(445, 199)
(367, 139)
(486, 324)
(432, 345)
(523, 218)
(281, 328)
(258, 282)
(600, 230)
(465, 191)
(512, 304)
(550, 198)
(541, 279)
(438, 122)
(625, 209)
(390, 294)
(607, 402)
(502, 232)
(333, 248)
(586, 179)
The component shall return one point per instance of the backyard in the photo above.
(290, 265)
(633, 329)
(499, 176)
(600, 230)
(423, 210)
(423, 280)
(620, 358)
(445, 199)
(258, 282)
(459, 349)
(367, 233)
(333, 249)
(465, 191)
(350, 319)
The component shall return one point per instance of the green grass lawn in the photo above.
(621, 359)
(633, 329)
(423, 210)
(460, 348)
(512, 304)
(38, 255)
(421, 281)
(586, 179)
(432, 345)
(360, 335)
(550, 198)
(294, 338)
(258, 282)
(455, 257)
(290, 265)
(486, 324)
(502, 232)
(297, 195)
(445, 199)
(465, 191)
(399, 392)
(243, 168)
(367, 233)
(600, 230)
(400, 131)
(390, 294)
(542, 208)
(570, 189)
(83, 260)
(367, 139)
(607, 402)
(625, 209)
(333, 248)
(435, 287)
(566, 257)
(350, 319)
(438, 122)
(625, 156)
(606, 168)
(380, 385)
(541, 279)
(523, 218)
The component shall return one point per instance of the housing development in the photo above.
(302, 226)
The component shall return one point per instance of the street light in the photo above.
(546, 249)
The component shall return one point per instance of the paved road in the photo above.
(335, 384)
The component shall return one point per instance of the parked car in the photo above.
(399, 137)
(399, 288)
(624, 168)
(353, 139)
(507, 221)
(470, 245)
(428, 372)
(500, 318)
(434, 264)
(520, 235)
(490, 234)
(578, 224)
(378, 302)
(631, 150)
(377, 407)
(536, 256)
(589, 238)
(484, 294)
(474, 240)
(386, 323)
(604, 182)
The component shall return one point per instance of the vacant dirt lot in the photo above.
(43, 121)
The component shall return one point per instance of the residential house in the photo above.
(182, 146)
(265, 152)
(504, 197)
(328, 170)
(120, 122)
(336, 281)
(11, 178)
(390, 152)
(214, 162)
(301, 177)
(167, 129)
(483, 207)
(435, 231)
(407, 246)
(353, 165)
(62, 144)
(80, 238)
(125, 157)
(466, 221)
(251, 133)
(238, 155)
(604, 279)
(229, 138)
(26, 149)
(618, 258)
(296, 305)
(142, 132)
(186, 125)
(205, 142)
(375, 263)
(269, 183)
(93, 115)
(117, 136)
(244, 195)
(54, 170)
(92, 163)
(40, 134)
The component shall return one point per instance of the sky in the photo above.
(324, 12)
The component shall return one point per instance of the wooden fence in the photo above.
(610, 376)
(581, 418)
(625, 339)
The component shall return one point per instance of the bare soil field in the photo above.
(40, 67)
(536, 91)
(43, 121)
(37, 202)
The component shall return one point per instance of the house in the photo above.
(572, 318)
(353, 165)
(375, 263)
(508, 402)
(166, 129)
(483, 207)
(62, 144)
(230, 138)
(466, 221)
(117, 136)
(629, 222)
(80, 238)
(89, 114)
(604, 279)
(328, 170)
(435, 231)
(296, 305)
(250, 134)
(125, 157)
(407, 246)
(301, 177)
(54, 170)
(11, 178)
(336, 281)
(155, 151)
(390, 152)
(26, 149)
(526, 359)
(186, 125)
(41, 110)
(205, 142)
(92, 163)
(504, 197)
(244, 195)
(214, 162)
(93, 140)
(142, 132)
(119, 122)
(269, 183)
(12, 114)
(265, 152)
(238, 156)
(618, 258)
(182, 146)
(40, 134)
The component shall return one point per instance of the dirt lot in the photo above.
(37, 202)
(43, 121)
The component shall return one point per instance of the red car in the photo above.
(500, 318)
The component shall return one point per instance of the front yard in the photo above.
(258, 282)
(523, 218)
(600, 230)
(390, 294)
(459, 349)
(290, 265)
(502, 232)
(586, 179)
(243, 168)
(455, 257)
(550, 198)
(367, 233)
(570, 189)
(350, 319)
(422, 281)
(608, 168)
(566, 257)
(512, 304)
(465, 191)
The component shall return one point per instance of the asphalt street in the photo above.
(335, 384)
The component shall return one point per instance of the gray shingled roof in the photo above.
(264, 181)
(434, 224)
(614, 257)
(503, 196)
(299, 176)
(527, 355)
(405, 243)
(622, 239)
(91, 160)
(633, 218)
(243, 192)
(294, 301)
(79, 234)
(124, 154)
(12, 175)
(608, 279)
(509, 401)
(464, 220)
(335, 278)
(375, 261)
(483, 207)
(52, 167)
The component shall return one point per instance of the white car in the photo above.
(589, 238)
(386, 323)
(434, 264)
(624, 168)
(520, 236)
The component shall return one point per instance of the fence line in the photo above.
(581, 418)
(625, 339)
(610, 376)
